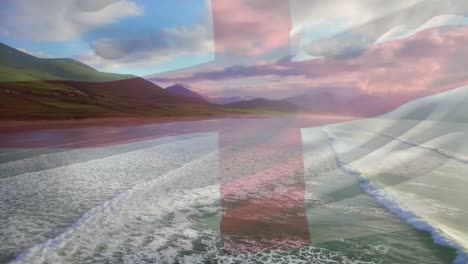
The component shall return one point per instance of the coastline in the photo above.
(12, 126)
(22, 125)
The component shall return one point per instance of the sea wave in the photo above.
(100, 217)
(387, 200)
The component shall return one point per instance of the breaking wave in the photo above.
(387, 200)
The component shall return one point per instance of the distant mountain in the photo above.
(16, 65)
(229, 99)
(20, 69)
(317, 101)
(70, 75)
(36, 88)
(32, 88)
(184, 90)
(264, 105)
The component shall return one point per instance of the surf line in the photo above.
(101, 210)
(391, 204)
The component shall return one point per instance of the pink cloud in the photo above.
(250, 27)
(395, 72)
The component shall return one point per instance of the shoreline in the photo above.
(12, 126)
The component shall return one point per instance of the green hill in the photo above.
(16, 65)
(35, 88)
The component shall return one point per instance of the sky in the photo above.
(265, 48)
(128, 36)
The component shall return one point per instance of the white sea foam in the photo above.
(170, 219)
(144, 217)
(36, 206)
(162, 205)
(55, 157)
(394, 205)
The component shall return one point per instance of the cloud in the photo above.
(251, 27)
(140, 49)
(345, 30)
(137, 50)
(157, 44)
(245, 71)
(401, 68)
(456, 64)
(402, 31)
(50, 20)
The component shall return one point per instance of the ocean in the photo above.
(367, 193)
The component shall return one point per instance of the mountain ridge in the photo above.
(266, 105)
(35, 88)
(184, 90)
(16, 65)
